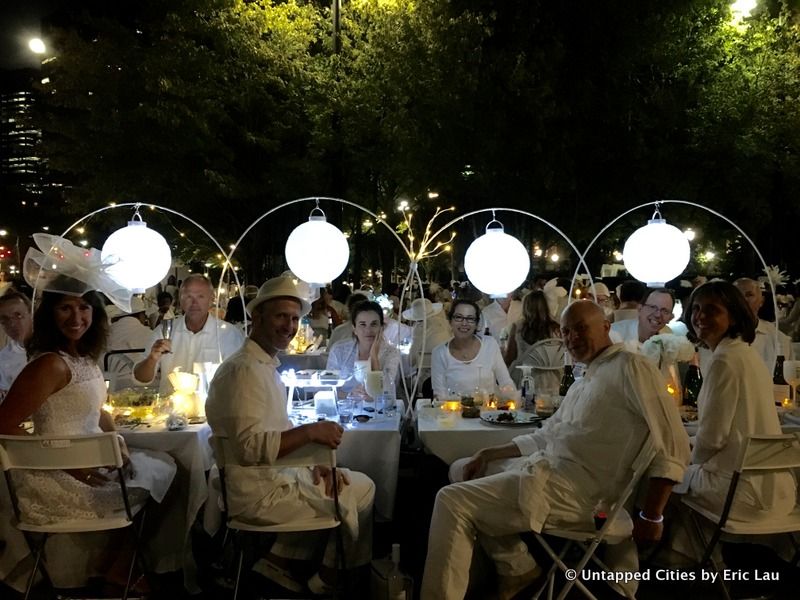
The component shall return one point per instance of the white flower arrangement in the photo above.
(385, 303)
(668, 348)
(776, 276)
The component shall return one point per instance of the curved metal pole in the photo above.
(513, 210)
(169, 210)
(296, 201)
(315, 199)
(716, 214)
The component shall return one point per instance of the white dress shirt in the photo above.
(215, 342)
(12, 360)
(765, 346)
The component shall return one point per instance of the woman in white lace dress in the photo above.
(368, 343)
(62, 390)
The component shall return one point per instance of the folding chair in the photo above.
(306, 456)
(617, 528)
(760, 454)
(54, 452)
(544, 355)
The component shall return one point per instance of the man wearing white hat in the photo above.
(246, 409)
(128, 331)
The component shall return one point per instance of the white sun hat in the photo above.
(421, 309)
(280, 287)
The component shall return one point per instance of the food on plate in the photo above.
(506, 417)
(133, 397)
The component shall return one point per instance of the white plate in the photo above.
(521, 418)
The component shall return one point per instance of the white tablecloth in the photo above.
(374, 449)
(449, 436)
(171, 543)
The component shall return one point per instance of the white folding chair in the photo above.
(617, 528)
(54, 452)
(308, 455)
(760, 454)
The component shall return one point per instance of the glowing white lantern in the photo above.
(656, 253)
(316, 251)
(136, 256)
(496, 263)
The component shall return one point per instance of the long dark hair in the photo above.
(48, 338)
(743, 323)
(537, 324)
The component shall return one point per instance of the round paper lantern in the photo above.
(656, 253)
(316, 251)
(136, 256)
(496, 263)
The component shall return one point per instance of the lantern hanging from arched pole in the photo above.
(317, 268)
(657, 252)
(496, 263)
(137, 257)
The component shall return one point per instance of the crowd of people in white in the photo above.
(49, 372)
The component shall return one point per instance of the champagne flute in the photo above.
(166, 330)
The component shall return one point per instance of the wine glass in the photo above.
(166, 330)
(791, 373)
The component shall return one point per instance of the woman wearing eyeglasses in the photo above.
(467, 362)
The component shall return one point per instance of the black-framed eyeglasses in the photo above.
(665, 312)
(463, 319)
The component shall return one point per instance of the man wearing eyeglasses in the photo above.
(15, 317)
(654, 314)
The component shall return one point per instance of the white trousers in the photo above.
(486, 509)
(302, 546)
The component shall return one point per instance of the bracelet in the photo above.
(659, 519)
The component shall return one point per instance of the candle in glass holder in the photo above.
(452, 405)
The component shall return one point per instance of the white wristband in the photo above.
(659, 519)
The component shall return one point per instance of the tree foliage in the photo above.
(574, 111)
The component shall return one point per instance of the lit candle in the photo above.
(511, 405)
(453, 405)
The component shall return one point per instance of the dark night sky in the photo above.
(19, 21)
